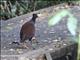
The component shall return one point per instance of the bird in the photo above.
(27, 31)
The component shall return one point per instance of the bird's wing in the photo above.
(27, 30)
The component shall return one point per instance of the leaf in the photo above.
(55, 19)
(72, 25)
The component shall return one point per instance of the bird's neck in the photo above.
(33, 19)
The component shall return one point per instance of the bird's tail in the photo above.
(16, 43)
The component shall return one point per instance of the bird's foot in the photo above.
(34, 40)
(23, 45)
(26, 46)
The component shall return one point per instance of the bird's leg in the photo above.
(34, 40)
(22, 42)
(24, 45)
(33, 47)
(30, 39)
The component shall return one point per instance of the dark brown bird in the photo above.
(27, 31)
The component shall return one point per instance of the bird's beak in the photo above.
(39, 15)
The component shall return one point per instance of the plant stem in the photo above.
(78, 53)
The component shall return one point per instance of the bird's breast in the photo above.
(28, 29)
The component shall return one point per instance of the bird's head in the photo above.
(35, 15)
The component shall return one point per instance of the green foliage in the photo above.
(12, 8)
(56, 18)
(78, 56)
(71, 24)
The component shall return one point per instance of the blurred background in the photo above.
(13, 8)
